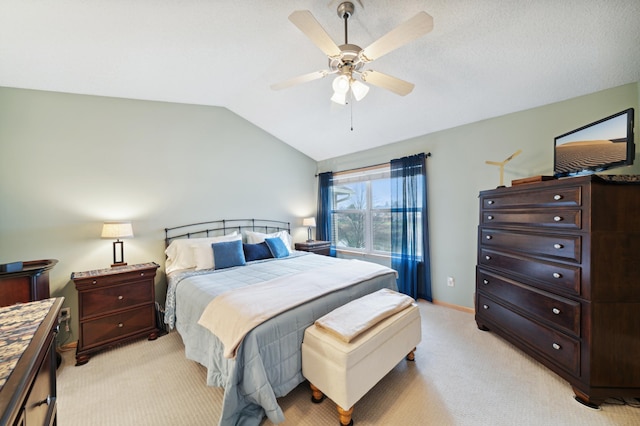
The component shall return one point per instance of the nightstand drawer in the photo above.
(114, 327)
(114, 298)
(103, 280)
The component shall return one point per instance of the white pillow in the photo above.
(180, 255)
(258, 237)
(203, 252)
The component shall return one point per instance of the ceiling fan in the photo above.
(348, 60)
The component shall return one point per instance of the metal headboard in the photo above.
(223, 227)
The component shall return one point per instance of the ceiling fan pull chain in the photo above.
(351, 107)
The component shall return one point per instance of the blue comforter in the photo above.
(269, 362)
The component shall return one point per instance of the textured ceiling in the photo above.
(483, 59)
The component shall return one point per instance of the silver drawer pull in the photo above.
(120, 325)
(488, 257)
(557, 197)
(558, 246)
(490, 217)
(557, 275)
(557, 218)
(142, 274)
(490, 201)
(556, 346)
(556, 311)
(94, 282)
(488, 237)
(120, 297)
(485, 282)
(485, 306)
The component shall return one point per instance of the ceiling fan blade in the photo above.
(304, 20)
(397, 86)
(299, 80)
(410, 30)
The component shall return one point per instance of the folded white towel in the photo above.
(356, 317)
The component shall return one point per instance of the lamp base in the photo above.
(115, 265)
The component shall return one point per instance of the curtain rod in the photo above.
(427, 154)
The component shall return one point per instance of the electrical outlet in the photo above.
(451, 282)
(65, 314)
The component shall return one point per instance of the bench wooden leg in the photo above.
(316, 394)
(411, 356)
(345, 416)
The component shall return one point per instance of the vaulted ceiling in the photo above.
(484, 58)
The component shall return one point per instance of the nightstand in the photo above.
(115, 305)
(318, 247)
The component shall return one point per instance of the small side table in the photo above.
(115, 305)
(318, 247)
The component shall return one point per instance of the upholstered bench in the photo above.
(346, 371)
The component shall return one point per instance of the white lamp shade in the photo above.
(341, 84)
(339, 98)
(309, 221)
(359, 89)
(117, 230)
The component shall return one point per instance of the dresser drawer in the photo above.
(113, 298)
(566, 197)
(559, 311)
(557, 219)
(104, 280)
(114, 327)
(552, 275)
(559, 348)
(565, 247)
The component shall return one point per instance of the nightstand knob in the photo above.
(120, 297)
(557, 218)
(94, 282)
(556, 346)
(557, 275)
(557, 197)
(556, 311)
(558, 246)
(120, 325)
(142, 274)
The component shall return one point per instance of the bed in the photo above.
(267, 362)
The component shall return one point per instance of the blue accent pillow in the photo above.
(277, 247)
(227, 254)
(256, 251)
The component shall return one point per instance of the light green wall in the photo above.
(457, 172)
(69, 162)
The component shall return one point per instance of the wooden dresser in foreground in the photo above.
(28, 363)
(317, 247)
(558, 275)
(115, 305)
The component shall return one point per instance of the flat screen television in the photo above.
(596, 147)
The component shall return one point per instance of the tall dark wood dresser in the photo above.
(558, 275)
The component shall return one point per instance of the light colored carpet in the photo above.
(461, 376)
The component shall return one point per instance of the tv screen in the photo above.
(596, 147)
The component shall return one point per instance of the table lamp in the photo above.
(310, 222)
(117, 230)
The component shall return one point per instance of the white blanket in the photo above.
(233, 314)
(349, 321)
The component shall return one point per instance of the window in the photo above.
(361, 217)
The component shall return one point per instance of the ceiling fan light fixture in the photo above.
(339, 98)
(359, 89)
(341, 84)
